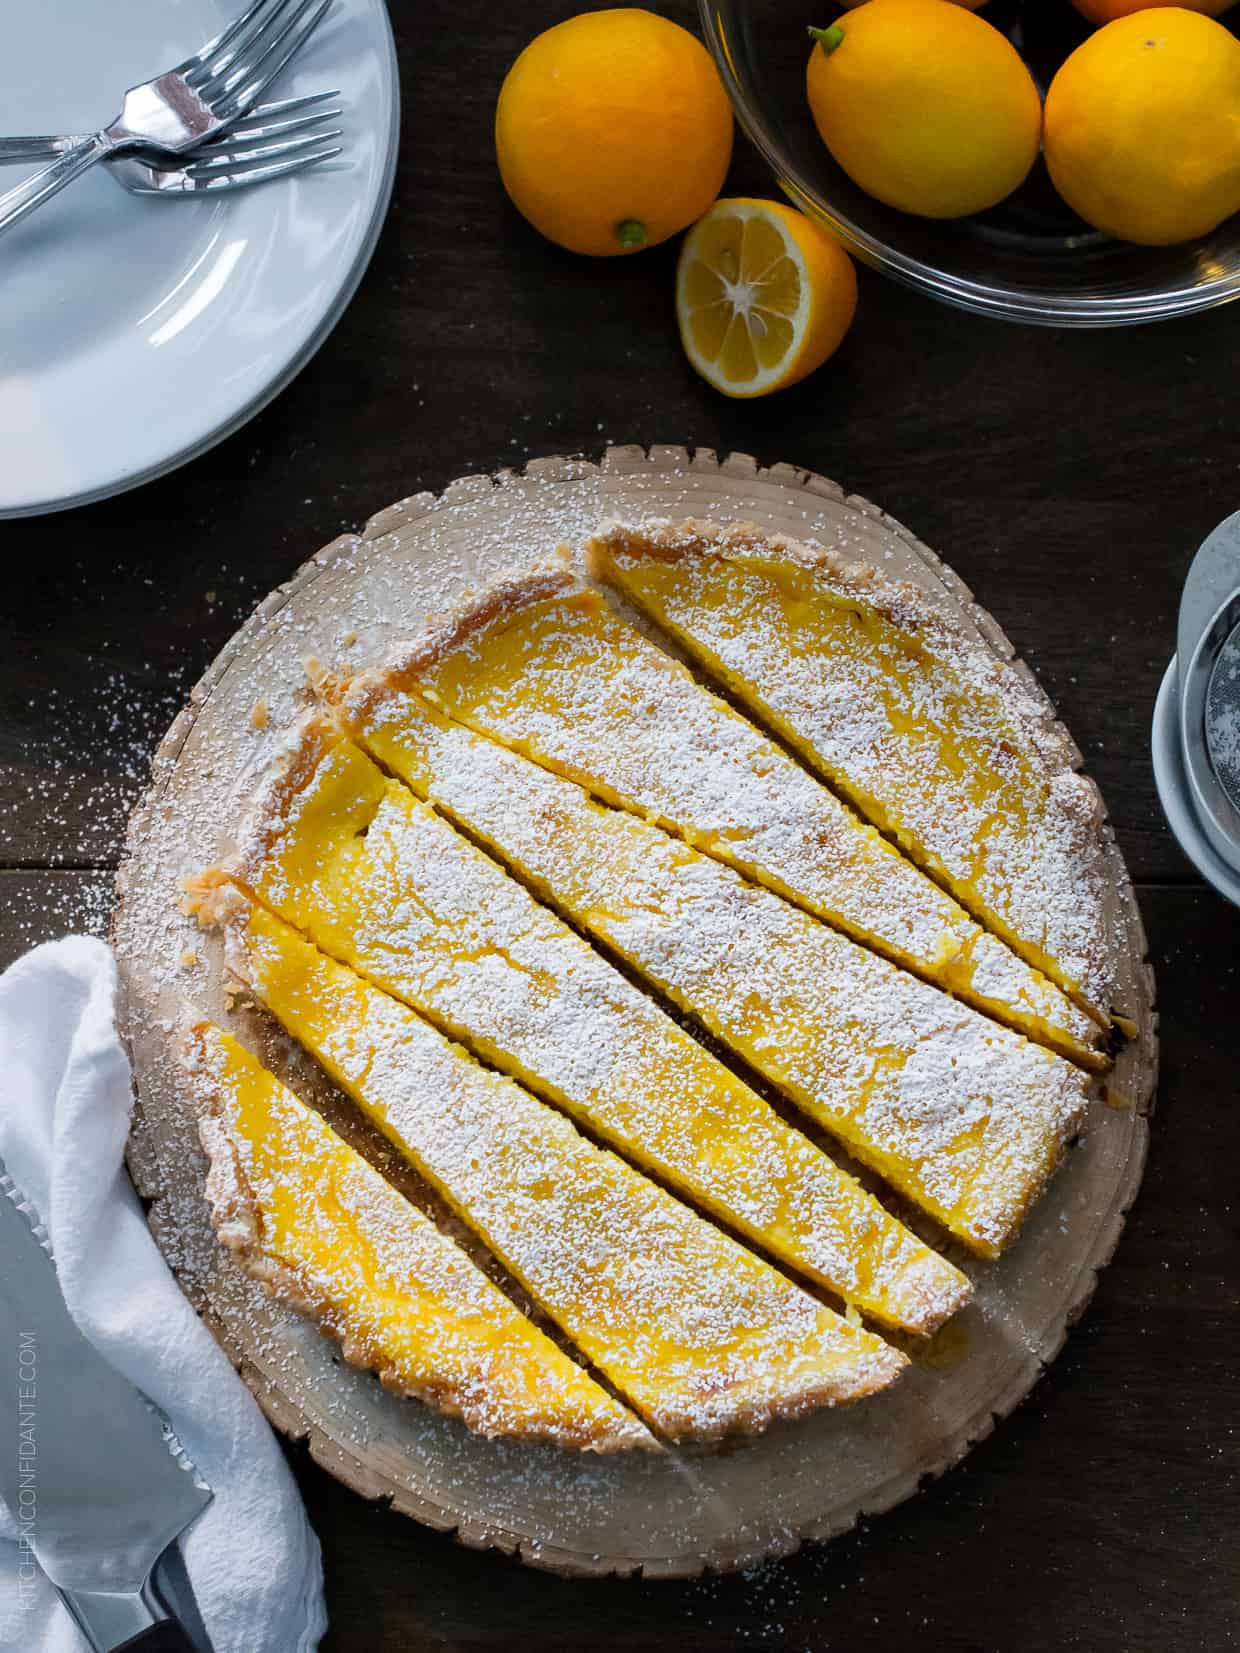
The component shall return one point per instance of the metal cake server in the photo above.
(97, 1482)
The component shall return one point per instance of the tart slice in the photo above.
(323, 1232)
(920, 726)
(545, 666)
(380, 880)
(698, 1334)
(963, 1116)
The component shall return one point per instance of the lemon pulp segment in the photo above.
(742, 256)
(763, 296)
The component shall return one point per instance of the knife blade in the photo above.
(91, 1472)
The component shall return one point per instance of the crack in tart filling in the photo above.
(543, 665)
(559, 920)
(319, 1227)
(916, 723)
(964, 1117)
(382, 881)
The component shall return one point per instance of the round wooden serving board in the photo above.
(685, 1512)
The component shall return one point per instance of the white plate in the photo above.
(135, 333)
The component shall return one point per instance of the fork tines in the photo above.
(231, 71)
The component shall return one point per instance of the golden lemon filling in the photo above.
(495, 887)
(382, 881)
(321, 1227)
(697, 1333)
(964, 1117)
(546, 667)
(918, 726)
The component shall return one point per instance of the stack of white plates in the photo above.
(137, 332)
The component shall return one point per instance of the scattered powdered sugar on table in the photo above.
(89, 768)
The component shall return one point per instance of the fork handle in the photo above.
(41, 186)
(14, 151)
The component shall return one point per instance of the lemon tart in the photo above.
(922, 728)
(325, 1233)
(698, 1334)
(965, 1117)
(382, 881)
(543, 665)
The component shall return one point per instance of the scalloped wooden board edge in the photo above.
(396, 1451)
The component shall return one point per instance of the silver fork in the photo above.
(273, 141)
(225, 165)
(196, 100)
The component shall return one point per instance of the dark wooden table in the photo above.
(1069, 478)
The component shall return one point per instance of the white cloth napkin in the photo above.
(64, 1113)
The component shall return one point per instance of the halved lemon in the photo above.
(763, 296)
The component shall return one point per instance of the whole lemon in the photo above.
(1106, 11)
(1143, 127)
(613, 131)
(925, 106)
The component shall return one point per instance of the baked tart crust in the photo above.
(324, 1233)
(540, 743)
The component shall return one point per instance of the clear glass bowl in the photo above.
(1029, 259)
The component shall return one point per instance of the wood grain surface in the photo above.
(1068, 478)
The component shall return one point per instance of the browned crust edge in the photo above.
(290, 770)
(753, 1413)
(443, 635)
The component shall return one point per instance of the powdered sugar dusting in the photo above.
(441, 925)
(918, 1085)
(1027, 843)
(699, 1126)
(562, 679)
(377, 1273)
(1223, 717)
(699, 1334)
